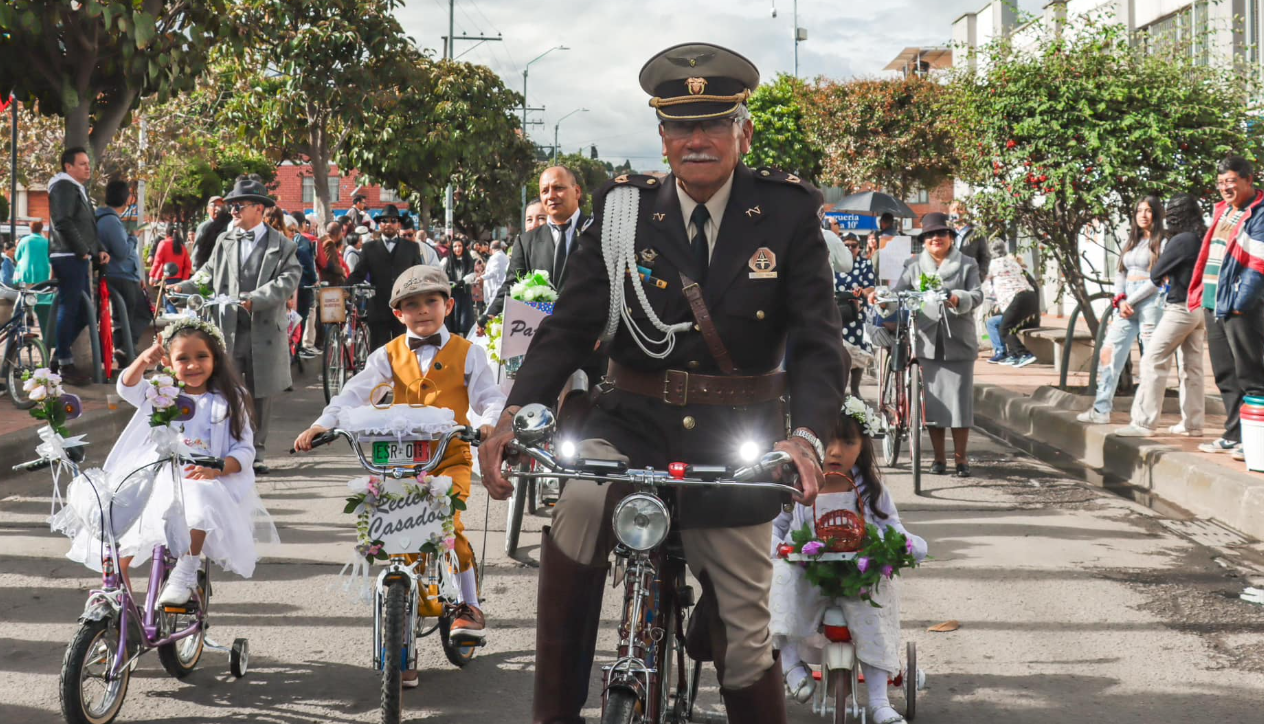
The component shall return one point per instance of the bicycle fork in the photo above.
(396, 571)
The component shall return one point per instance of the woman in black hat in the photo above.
(945, 340)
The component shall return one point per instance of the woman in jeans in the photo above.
(1017, 300)
(1137, 301)
(1180, 330)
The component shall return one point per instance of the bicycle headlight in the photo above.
(641, 522)
(567, 450)
(749, 452)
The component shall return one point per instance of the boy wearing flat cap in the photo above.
(458, 370)
(732, 270)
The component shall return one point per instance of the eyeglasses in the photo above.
(940, 234)
(715, 127)
(238, 206)
(852, 246)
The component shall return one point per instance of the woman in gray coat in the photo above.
(946, 343)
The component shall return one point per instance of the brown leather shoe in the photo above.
(468, 623)
(763, 702)
(565, 635)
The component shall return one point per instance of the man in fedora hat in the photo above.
(381, 262)
(735, 272)
(258, 266)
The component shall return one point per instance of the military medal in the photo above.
(763, 264)
(648, 256)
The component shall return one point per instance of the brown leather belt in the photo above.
(680, 388)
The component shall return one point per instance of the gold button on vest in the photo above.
(689, 422)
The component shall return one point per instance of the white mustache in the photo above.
(700, 157)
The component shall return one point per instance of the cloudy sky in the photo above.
(610, 40)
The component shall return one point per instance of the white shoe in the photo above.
(886, 715)
(177, 592)
(1134, 431)
(1179, 429)
(803, 690)
(1094, 417)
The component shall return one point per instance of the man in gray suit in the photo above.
(969, 243)
(257, 265)
(538, 249)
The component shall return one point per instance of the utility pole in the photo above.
(13, 175)
(525, 69)
(449, 47)
(140, 183)
(559, 125)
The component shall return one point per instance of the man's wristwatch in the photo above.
(813, 440)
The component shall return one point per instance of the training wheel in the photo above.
(239, 658)
(911, 675)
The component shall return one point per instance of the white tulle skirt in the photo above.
(230, 511)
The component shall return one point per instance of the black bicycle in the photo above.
(23, 350)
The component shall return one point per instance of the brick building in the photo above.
(295, 189)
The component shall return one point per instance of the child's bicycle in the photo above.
(114, 630)
(23, 350)
(407, 592)
(839, 675)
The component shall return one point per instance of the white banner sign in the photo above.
(521, 321)
(891, 258)
(404, 525)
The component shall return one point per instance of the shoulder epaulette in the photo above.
(640, 180)
(772, 174)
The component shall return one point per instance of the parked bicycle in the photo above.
(23, 350)
(346, 334)
(408, 592)
(652, 680)
(114, 629)
(901, 390)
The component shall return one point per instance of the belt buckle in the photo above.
(682, 377)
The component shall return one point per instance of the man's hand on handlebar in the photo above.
(303, 443)
(491, 456)
(805, 463)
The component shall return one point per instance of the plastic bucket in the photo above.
(1253, 439)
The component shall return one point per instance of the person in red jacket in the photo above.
(171, 250)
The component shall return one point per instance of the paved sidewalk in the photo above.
(19, 431)
(1027, 409)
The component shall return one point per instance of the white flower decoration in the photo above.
(359, 485)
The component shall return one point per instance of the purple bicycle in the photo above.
(114, 629)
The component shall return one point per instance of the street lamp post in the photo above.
(559, 125)
(525, 69)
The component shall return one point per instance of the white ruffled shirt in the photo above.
(486, 398)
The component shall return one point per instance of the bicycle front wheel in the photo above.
(889, 407)
(394, 612)
(88, 695)
(25, 355)
(333, 367)
(916, 424)
(622, 707)
(517, 506)
(360, 341)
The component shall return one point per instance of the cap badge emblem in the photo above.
(696, 86)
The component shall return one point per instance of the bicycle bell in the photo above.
(534, 424)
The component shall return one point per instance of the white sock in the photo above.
(186, 570)
(469, 587)
(876, 686)
(790, 661)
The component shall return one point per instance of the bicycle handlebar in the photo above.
(612, 471)
(465, 433)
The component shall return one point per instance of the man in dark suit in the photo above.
(738, 274)
(969, 243)
(381, 262)
(540, 249)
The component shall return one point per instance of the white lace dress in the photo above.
(228, 508)
(797, 606)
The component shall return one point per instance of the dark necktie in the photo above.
(701, 252)
(417, 342)
(559, 256)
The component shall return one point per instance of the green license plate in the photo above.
(409, 452)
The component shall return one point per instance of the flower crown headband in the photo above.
(193, 322)
(856, 409)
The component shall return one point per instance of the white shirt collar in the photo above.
(259, 231)
(715, 207)
(570, 224)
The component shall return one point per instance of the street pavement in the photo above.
(1071, 603)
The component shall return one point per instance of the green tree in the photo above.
(781, 137)
(91, 62)
(310, 73)
(4, 210)
(888, 134)
(1074, 131)
(450, 120)
(591, 172)
(182, 184)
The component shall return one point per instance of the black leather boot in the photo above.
(568, 616)
(763, 702)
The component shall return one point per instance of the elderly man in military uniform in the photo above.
(739, 331)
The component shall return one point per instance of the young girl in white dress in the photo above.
(222, 509)
(852, 482)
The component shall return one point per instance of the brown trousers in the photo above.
(733, 565)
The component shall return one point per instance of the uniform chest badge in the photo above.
(648, 256)
(763, 264)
